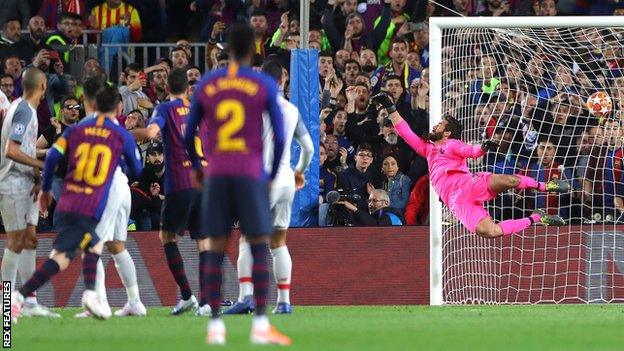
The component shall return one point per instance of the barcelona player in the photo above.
(227, 106)
(181, 207)
(93, 149)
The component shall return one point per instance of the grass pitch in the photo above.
(456, 328)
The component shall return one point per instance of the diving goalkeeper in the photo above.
(464, 192)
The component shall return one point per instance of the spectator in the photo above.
(147, 193)
(10, 36)
(389, 143)
(368, 61)
(547, 8)
(14, 9)
(397, 66)
(158, 91)
(339, 123)
(50, 10)
(33, 43)
(179, 58)
(352, 69)
(379, 211)
(496, 8)
(132, 94)
(258, 21)
(353, 37)
(116, 13)
(417, 209)
(362, 123)
(60, 40)
(57, 85)
(193, 73)
(327, 183)
(7, 86)
(13, 67)
(393, 23)
(70, 114)
(396, 184)
(614, 170)
(336, 158)
(544, 169)
(357, 179)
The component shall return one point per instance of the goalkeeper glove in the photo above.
(489, 145)
(385, 101)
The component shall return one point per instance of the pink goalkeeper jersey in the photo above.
(447, 162)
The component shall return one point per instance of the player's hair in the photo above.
(107, 100)
(273, 69)
(134, 67)
(453, 126)
(177, 80)
(92, 86)
(32, 78)
(240, 41)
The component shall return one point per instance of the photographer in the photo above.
(379, 212)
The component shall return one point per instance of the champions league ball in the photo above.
(599, 104)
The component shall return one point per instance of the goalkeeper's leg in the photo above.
(499, 183)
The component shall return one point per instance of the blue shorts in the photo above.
(181, 210)
(75, 231)
(228, 198)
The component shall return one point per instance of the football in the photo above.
(599, 104)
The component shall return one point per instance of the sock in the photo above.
(282, 267)
(41, 276)
(530, 183)
(512, 226)
(203, 267)
(127, 273)
(100, 279)
(176, 266)
(26, 265)
(9, 267)
(260, 276)
(243, 265)
(89, 269)
(260, 322)
(213, 279)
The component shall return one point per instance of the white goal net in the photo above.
(526, 88)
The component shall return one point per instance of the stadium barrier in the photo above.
(366, 266)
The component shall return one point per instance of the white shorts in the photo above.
(18, 210)
(281, 200)
(114, 222)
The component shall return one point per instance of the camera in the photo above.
(336, 196)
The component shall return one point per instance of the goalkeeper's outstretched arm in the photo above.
(400, 125)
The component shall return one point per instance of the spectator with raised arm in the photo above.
(33, 42)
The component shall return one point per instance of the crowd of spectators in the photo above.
(530, 105)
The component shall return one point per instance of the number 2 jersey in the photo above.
(171, 117)
(93, 149)
(227, 106)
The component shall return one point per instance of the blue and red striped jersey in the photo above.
(93, 148)
(227, 106)
(172, 117)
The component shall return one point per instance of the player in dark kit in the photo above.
(181, 208)
(228, 106)
(93, 149)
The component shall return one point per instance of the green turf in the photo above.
(456, 328)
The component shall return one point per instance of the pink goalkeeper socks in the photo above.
(530, 183)
(512, 226)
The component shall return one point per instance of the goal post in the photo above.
(526, 79)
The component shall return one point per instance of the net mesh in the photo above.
(527, 89)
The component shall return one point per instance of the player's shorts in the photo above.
(114, 222)
(281, 200)
(75, 231)
(227, 198)
(17, 211)
(467, 204)
(182, 210)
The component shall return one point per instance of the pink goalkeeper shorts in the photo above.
(467, 202)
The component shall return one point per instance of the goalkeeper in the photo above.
(464, 192)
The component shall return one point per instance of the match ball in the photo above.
(599, 104)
